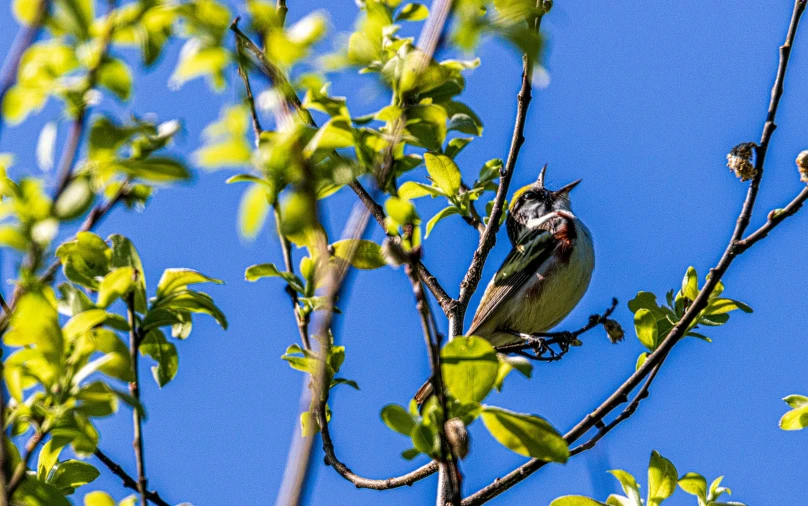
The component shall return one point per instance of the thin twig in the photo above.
(447, 459)
(540, 342)
(134, 390)
(24, 39)
(22, 468)
(475, 271)
(654, 360)
(128, 481)
(775, 219)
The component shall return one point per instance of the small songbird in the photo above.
(545, 274)
(547, 271)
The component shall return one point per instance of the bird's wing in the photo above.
(533, 249)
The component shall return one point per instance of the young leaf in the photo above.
(662, 477)
(645, 324)
(367, 255)
(526, 435)
(174, 280)
(695, 484)
(690, 284)
(114, 285)
(444, 172)
(413, 12)
(469, 368)
(164, 352)
(256, 272)
(575, 500)
(445, 212)
(630, 487)
(398, 419)
(253, 211)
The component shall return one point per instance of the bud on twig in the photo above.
(802, 165)
(393, 252)
(614, 331)
(457, 436)
(740, 161)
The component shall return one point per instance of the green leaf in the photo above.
(443, 213)
(630, 487)
(115, 285)
(256, 272)
(85, 259)
(253, 211)
(641, 360)
(414, 190)
(162, 351)
(796, 401)
(83, 322)
(71, 474)
(508, 363)
(575, 500)
(662, 477)
(367, 254)
(645, 324)
(343, 381)
(444, 172)
(410, 454)
(690, 284)
(694, 484)
(413, 12)
(469, 368)
(98, 498)
(174, 280)
(718, 306)
(32, 492)
(796, 419)
(398, 419)
(402, 211)
(115, 76)
(124, 254)
(155, 169)
(196, 302)
(424, 439)
(74, 201)
(35, 322)
(527, 435)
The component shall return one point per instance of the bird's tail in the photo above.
(423, 393)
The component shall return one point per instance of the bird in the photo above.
(544, 276)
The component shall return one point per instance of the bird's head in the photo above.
(534, 201)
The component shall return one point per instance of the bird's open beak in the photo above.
(566, 189)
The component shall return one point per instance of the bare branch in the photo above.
(22, 467)
(475, 271)
(134, 389)
(775, 218)
(128, 481)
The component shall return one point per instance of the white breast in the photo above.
(554, 291)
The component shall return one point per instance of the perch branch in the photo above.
(128, 481)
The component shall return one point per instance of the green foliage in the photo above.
(797, 417)
(527, 435)
(469, 366)
(662, 482)
(653, 322)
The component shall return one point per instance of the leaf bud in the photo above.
(614, 331)
(393, 252)
(457, 436)
(739, 160)
(802, 165)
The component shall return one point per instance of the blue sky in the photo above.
(644, 101)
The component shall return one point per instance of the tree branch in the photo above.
(22, 467)
(447, 461)
(475, 271)
(654, 360)
(24, 39)
(540, 343)
(134, 390)
(128, 481)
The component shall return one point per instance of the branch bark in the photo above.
(128, 481)
(22, 467)
(134, 390)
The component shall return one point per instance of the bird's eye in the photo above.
(530, 195)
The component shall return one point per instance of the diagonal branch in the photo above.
(128, 481)
(24, 40)
(655, 360)
(134, 390)
(488, 238)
